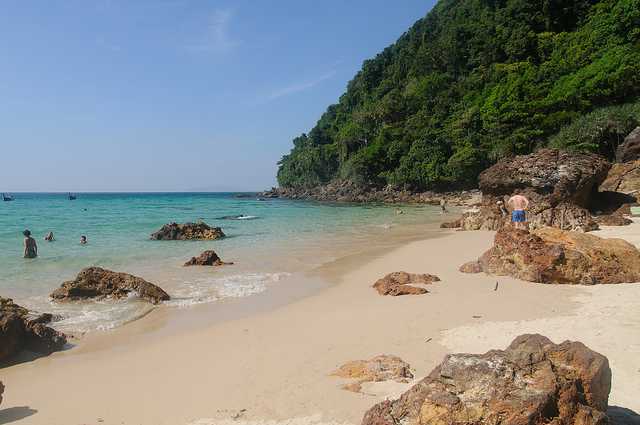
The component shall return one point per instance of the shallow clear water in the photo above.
(285, 237)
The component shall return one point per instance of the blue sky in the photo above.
(124, 95)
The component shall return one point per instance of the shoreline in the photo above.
(276, 363)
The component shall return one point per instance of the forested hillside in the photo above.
(473, 81)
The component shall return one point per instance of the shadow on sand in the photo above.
(621, 416)
(12, 414)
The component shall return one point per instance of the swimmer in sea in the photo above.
(49, 237)
(30, 246)
(83, 240)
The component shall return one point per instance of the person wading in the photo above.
(30, 246)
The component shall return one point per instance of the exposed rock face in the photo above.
(559, 186)
(400, 283)
(629, 150)
(20, 330)
(379, 368)
(347, 191)
(624, 178)
(96, 282)
(188, 231)
(207, 258)
(613, 220)
(532, 382)
(552, 255)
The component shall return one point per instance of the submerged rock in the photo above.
(19, 329)
(97, 283)
(379, 368)
(188, 231)
(629, 150)
(533, 382)
(400, 283)
(552, 255)
(207, 258)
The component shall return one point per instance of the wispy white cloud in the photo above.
(297, 87)
(216, 37)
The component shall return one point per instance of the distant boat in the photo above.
(72, 197)
(6, 197)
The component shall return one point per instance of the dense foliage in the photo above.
(471, 82)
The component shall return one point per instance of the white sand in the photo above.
(274, 366)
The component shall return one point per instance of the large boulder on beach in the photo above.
(623, 178)
(629, 149)
(207, 258)
(21, 329)
(563, 176)
(98, 283)
(402, 283)
(532, 382)
(377, 369)
(552, 255)
(560, 186)
(188, 231)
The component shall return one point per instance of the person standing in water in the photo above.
(49, 237)
(30, 246)
(443, 205)
(83, 240)
(519, 205)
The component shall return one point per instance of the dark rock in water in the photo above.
(188, 231)
(532, 382)
(19, 329)
(551, 255)
(629, 150)
(97, 283)
(400, 283)
(207, 258)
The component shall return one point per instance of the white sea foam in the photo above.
(206, 290)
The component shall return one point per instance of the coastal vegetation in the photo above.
(475, 81)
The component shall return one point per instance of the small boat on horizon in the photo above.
(71, 197)
(7, 197)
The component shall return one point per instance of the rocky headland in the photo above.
(99, 283)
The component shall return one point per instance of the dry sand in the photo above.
(273, 366)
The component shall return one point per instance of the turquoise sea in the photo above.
(281, 239)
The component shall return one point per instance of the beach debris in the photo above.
(477, 317)
(551, 255)
(380, 368)
(496, 288)
(533, 381)
(99, 283)
(1, 391)
(401, 283)
(207, 258)
(21, 329)
(429, 339)
(188, 231)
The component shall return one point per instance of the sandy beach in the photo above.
(273, 365)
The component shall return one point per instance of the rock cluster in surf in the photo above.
(380, 368)
(533, 381)
(402, 283)
(551, 255)
(188, 231)
(23, 330)
(98, 283)
(207, 258)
